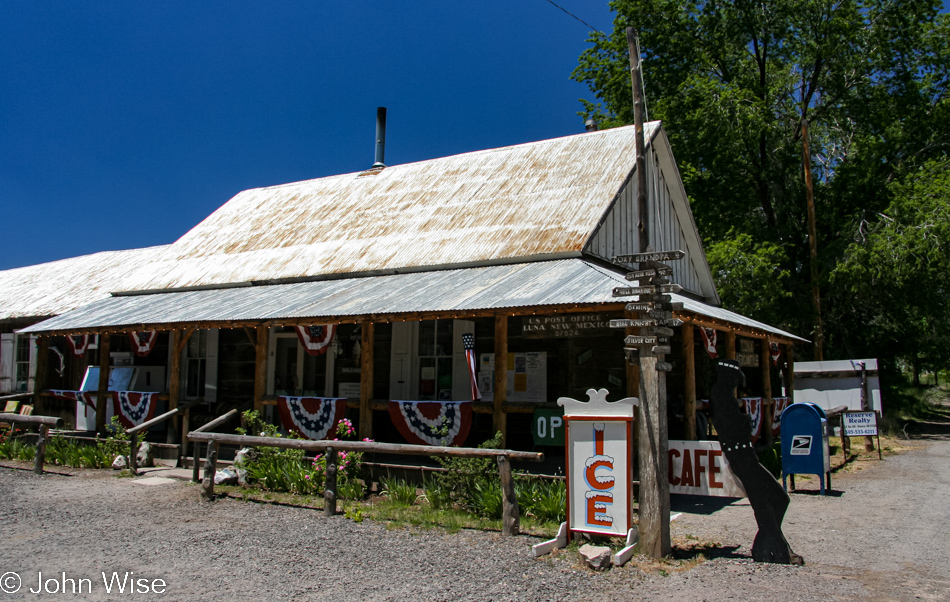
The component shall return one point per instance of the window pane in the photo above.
(315, 374)
(427, 338)
(285, 366)
(427, 378)
(444, 342)
(445, 379)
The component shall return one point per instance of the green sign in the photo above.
(547, 426)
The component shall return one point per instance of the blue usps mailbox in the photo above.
(805, 443)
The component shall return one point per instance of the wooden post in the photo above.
(636, 84)
(260, 369)
(133, 453)
(789, 372)
(39, 380)
(206, 493)
(501, 376)
(510, 517)
(689, 393)
(366, 379)
(654, 512)
(174, 388)
(196, 455)
(866, 406)
(768, 407)
(103, 390)
(330, 485)
(730, 344)
(40, 458)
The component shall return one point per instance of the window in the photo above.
(196, 364)
(435, 360)
(23, 344)
(294, 372)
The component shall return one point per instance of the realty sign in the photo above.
(857, 424)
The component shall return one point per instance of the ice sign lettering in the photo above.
(599, 496)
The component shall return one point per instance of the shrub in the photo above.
(398, 491)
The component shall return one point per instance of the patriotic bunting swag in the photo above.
(780, 404)
(85, 397)
(316, 338)
(133, 408)
(776, 352)
(468, 341)
(753, 407)
(143, 342)
(432, 422)
(79, 343)
(311, 417)
(709, 341)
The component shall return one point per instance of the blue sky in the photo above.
(123, 124)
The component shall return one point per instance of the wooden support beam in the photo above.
(654, 509)
(367, 354)
(206, 493)
(174, 387)
(510, 514)
(330, 483)
(103, 389)
(251, 334)
(730, 344)
(501, 376)
(768, 408)
(689, 384)
(186, 334)
(40, 458)
(260, 368)
(40, 378)
(789, 373)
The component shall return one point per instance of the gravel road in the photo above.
(882, 535)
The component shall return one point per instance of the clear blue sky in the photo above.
(123, 124)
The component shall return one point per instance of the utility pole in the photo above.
(812, 244)
(654, 498)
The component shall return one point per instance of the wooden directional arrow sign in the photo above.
(662, 350)
(660, 331)
(654, 256)
(672, 323)
(670, 288)
(631, 323)
(653, 298)
(639, 306)
(664, 367)
(653, 273)
(661, 314)
(632, 340)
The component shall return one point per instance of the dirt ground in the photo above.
(881, 534)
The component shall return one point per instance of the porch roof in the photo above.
(542, 284)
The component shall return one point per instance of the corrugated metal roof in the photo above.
(537, 284)
(537, 199)
(52, 288)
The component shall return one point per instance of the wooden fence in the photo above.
(44, 423)
(510, 513)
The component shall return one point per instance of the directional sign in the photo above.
(652, 298)
(670, 288)
(639, 307)
(671, 323)
(631, 323)
(662, 349)
(651, 273)
(659, 331)
(654, 256)
(633, 340)
(664, 367)
(661, 314)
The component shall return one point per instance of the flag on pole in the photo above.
(709, 341)
(468, 341)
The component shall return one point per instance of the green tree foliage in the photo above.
(732, 81)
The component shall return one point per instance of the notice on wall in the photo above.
(527, 376)
(565, 326)
(857, 424)
(700, 468)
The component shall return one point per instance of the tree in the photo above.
(732, 80)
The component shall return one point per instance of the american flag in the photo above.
(468, 341)
(709, 341)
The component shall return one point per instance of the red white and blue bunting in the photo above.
(86, 397)
(133, 408)
(753, 407)
(79, 342)
(468, 342)
(316, 338)
(432, 422)
(311, 417)
(709, 341)
(780, 404)
(143, 342)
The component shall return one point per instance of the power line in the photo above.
(588, 25)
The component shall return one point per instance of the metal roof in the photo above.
(535, 284)
(52, 288)
(542, 199)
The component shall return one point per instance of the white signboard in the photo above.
(858, 424)
(700, 468)
(600, 487)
